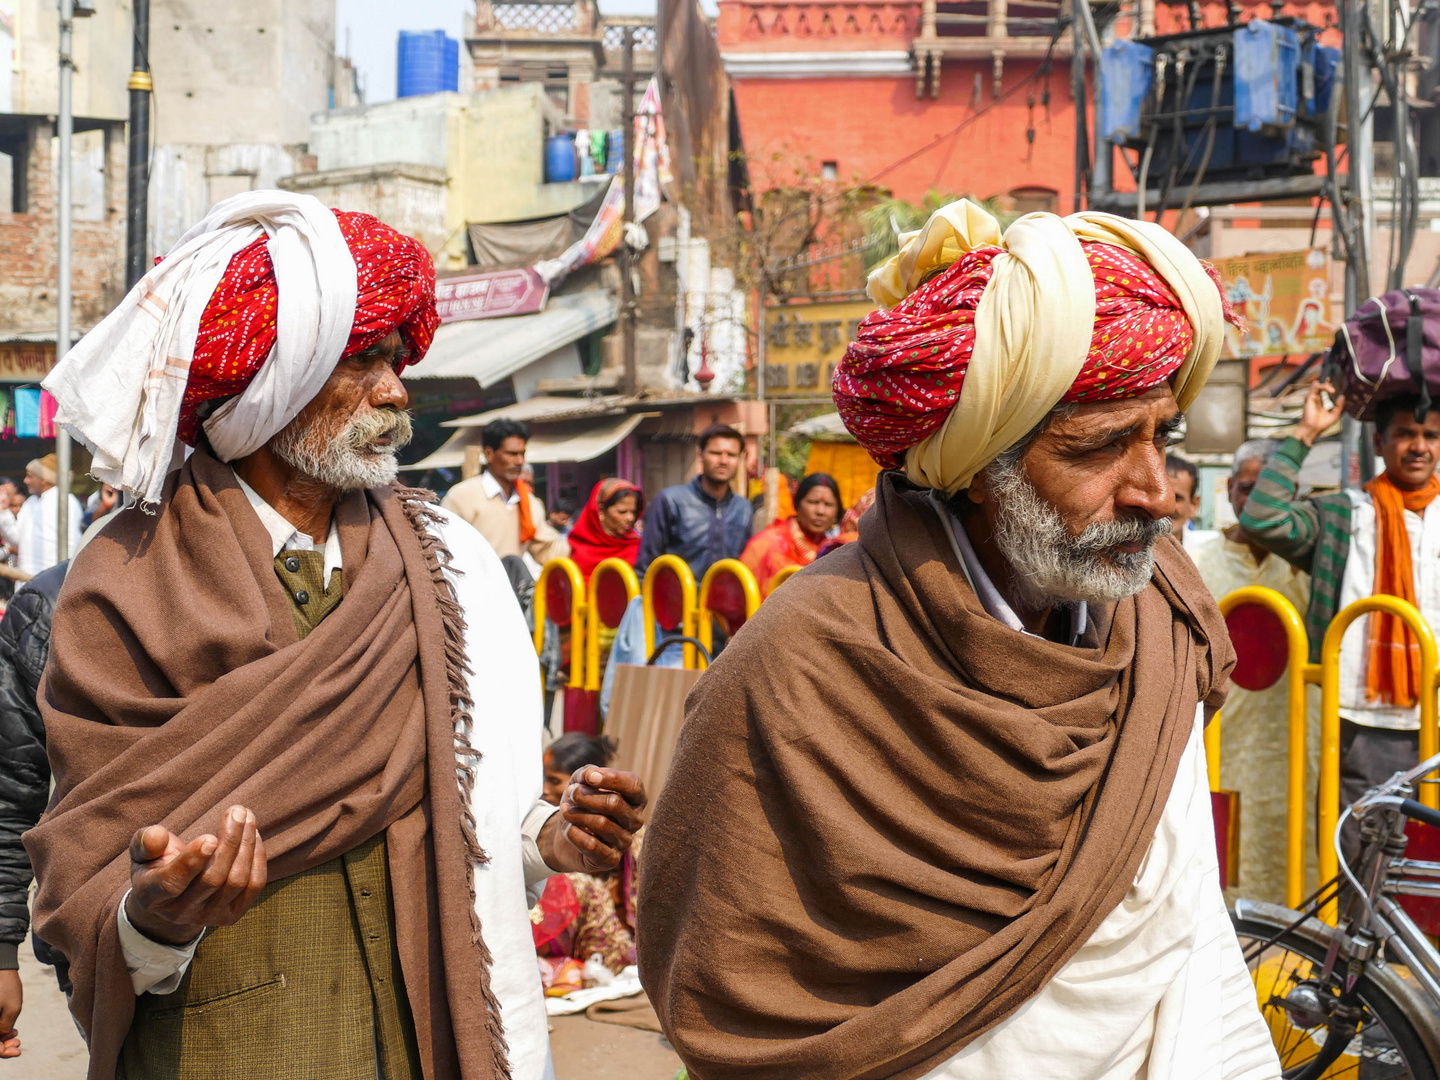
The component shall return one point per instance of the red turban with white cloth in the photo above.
(255, 304)
(981, 336)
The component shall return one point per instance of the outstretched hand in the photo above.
(600, 812)
(179, 889)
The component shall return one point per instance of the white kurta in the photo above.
(508, 714)
(36, 527)
(1159, 992)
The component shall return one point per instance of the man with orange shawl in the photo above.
(966, 829)
(1356, 544)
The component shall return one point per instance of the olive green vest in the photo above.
(307, 985)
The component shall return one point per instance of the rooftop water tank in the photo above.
(427, 62)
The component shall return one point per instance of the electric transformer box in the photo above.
(1247, 101)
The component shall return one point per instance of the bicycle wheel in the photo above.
(1289, 992)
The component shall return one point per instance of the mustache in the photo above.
(1103, 536)
(363, 431)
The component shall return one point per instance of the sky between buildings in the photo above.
(366, 31)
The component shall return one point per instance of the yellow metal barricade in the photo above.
(732, 568)
(575, 617)
(677, 567)
(607, 569)
(1298, 649)
(782, 577)
(1329, 813)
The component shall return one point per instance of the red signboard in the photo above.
(489, 296)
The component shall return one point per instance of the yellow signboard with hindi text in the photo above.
(804, 341)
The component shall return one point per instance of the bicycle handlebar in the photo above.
(1420, 812)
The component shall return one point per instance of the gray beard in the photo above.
(346, 459)
(1052, 567)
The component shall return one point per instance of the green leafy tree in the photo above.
(887, 219)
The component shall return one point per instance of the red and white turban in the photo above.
(1087, 308)
(256, 304)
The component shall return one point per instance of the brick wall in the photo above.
(28, 244)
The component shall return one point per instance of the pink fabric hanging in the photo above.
(48, 408)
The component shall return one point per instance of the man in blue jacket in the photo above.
(703, 521)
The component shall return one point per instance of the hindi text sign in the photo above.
(490, 296)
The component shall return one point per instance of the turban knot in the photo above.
(1071, 310)
(396, 291)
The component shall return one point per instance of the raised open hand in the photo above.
(178, 889)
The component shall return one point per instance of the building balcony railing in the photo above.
(984, 29)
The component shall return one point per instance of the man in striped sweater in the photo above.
(1356, 544)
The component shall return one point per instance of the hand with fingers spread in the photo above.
(600, 813)
(179, 889)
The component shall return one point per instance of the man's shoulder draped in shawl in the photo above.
(177, 686)
(906, 832)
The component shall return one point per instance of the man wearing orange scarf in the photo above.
(1356, 544)
(500, 503)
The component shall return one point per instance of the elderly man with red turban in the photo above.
(956, 822)
(288, 838)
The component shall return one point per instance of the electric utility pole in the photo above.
(137, 173)
(65, 124)
(627, 292)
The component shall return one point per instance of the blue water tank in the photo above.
(1267, 60)
(559, 159)
(427, 62)
(1126, 70)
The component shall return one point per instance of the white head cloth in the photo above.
(120, 388)
(1034, 323)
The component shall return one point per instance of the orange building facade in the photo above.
(950, 96)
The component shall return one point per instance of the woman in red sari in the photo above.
(606, 529)
(795, 541)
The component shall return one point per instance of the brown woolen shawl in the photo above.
(891, 819)
(177, 686)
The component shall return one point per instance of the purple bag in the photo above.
(1389, 347)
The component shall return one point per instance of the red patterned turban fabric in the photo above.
(903, 376)
(396, 280)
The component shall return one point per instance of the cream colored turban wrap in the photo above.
(1034, 324)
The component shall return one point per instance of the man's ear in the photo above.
(978, 491)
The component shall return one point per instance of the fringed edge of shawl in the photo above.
(418, 506)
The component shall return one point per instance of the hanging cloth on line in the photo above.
(48, 407)
(27, 412)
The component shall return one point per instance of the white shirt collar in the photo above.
(285, 537)
(989, 596)
(493, 490)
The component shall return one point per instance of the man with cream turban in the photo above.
(964, 829)
(290, 706)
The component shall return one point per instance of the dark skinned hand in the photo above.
(600, 813)
(12, 997)
(179, 889)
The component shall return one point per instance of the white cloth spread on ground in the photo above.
(506, 797)
(1359, 583)
(1160, 991)
(120, 388)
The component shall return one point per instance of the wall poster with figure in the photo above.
(1284, 298)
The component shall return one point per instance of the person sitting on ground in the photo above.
(956, 823)
(1256, 732)
(582, 915)
(703, 521)
(1379, 541)
(797, 540)
(500, 502)
(606, 529)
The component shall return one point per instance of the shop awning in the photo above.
(489, 350)
(825, 428)
(577, 440)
